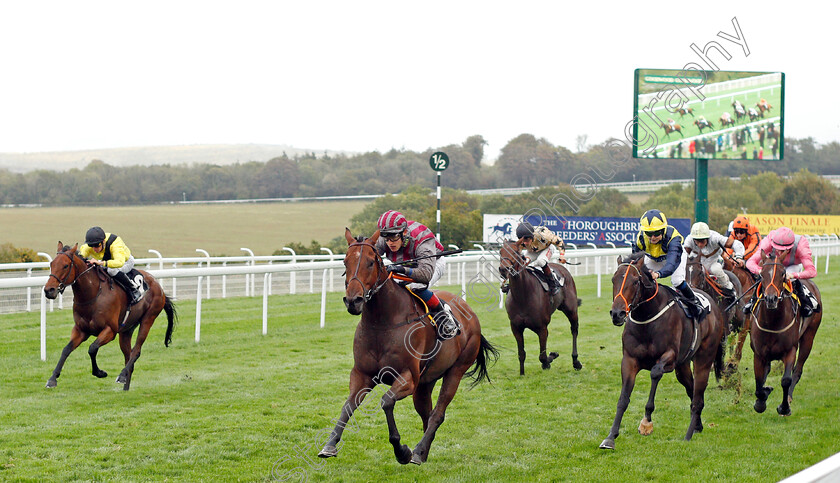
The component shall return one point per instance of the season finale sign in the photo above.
(579, 230)
(800, 224)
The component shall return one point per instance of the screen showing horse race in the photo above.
(708, 114)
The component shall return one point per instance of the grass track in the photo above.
(238, 404)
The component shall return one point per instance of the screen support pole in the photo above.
(701, 190)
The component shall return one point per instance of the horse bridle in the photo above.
(520, 260)
(782, 293)
(631, 306)
(62, 283)
(368, 293)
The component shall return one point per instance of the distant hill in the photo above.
(148, 155)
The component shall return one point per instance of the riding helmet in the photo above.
(741, 222)
(525, 229)
(391, 222)
(653, 220)
(700, 231)
(95, 235)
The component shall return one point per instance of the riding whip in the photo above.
(739, 298)
(441, 254)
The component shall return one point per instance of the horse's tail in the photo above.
(486, 352)
(171, 317)
(719, 357)
(580, 302)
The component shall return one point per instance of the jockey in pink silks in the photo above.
(795, 253)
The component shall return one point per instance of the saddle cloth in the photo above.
(707, 308)
(136, 278)
(543, 279)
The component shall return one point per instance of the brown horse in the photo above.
(698, 277)
(778, 331)
(702, 124)
(763, 108)
(530, 307)
(668, 129)
(726, 121)
(660, 338)
(685, 110)
(748, 286)
(101, 309)
(396, 344)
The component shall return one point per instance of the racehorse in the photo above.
(753, 114)
(777, 331)
(748, 286)
(661, 338)
(698, 277)
(685, 110)
(396, 344)
(100, 309)
(762, 108)
(530, 307)
(668, 129)
(726, 121)
(739, 110)
(703, 124)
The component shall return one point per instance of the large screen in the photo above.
(708, 114)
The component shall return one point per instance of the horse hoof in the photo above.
(783, 411)
(645, 427)
(329, 451)
(546, 366)
(417, 460)
(760, 406)
(607, 444)
(404, 455)
(100, 374)
(51, 384)
(577, 365)
(120, 379)
(553, 355)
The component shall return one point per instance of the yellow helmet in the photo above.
(653, 220)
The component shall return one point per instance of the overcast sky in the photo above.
(363, 76)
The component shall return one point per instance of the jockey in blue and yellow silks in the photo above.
(662, 246)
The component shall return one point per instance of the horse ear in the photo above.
(75, 247)
(348, 236)
(60, 246)
(374, 238)
(618, 260)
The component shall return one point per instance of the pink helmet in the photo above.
(781, 238)
(391, 222)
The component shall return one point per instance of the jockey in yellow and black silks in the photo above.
(109, 251)
(662, 246)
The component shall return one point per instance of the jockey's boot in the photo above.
(553, 284)
(505, 286)
(447, 326)
(808, 303)
(133, 294)
(694, 305)
(729, 292)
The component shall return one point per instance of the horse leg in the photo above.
(739, 346)
(656, 372)
(629, 369)
(107, 335)
(389, 399)
(805, 345)
(787, 379)
(76, 338)
(360, 386)
(761, 369)
(545, 359)
(698, 399)
(125, 347)
(447, 391)
(520, 344)
(572, 315)
(125, 375)
(423, 402)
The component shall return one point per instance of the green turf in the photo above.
(238, 405)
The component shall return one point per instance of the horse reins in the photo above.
(62, 283)
(782, 294)
(367, 294)
(630, 305)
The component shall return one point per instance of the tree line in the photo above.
(524, 161)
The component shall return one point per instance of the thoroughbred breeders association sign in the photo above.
(579, 230)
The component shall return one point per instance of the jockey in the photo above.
(672, 123)
(708, 245)
(108, 250)
(661, 244)
(725, 116)
(702, 120)
(540, 249)
(795, 253)
(745, 233)
(402, 240)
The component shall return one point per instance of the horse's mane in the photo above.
(633, 257)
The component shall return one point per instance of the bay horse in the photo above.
(698, 277)
(100, 309)
(668, 129)
(726, 121)
(748, 286)
(777, 331)
(763, 108)
(685, 110)
(703, 124)
(661, 338)
(396, 344)
(530, 307)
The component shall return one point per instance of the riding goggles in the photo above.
(659, 232)
(740, 231)
(394, 237)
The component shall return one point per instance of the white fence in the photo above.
(475, 271)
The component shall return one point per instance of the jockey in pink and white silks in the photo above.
(401, 240)
(794, 252)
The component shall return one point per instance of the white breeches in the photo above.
(129, 264)
(716, 269)
(440, 270)
(677, 277)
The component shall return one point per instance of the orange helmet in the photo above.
(741, 222)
